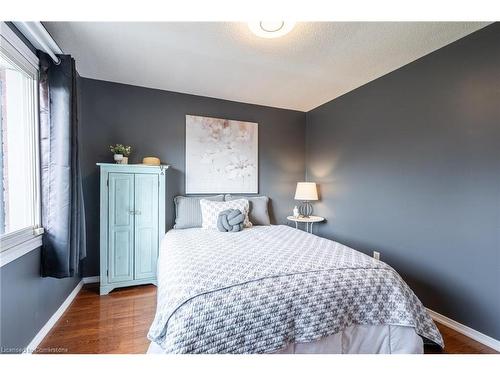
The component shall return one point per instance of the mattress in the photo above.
(265, 288)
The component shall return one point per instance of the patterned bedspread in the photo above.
(257, 290)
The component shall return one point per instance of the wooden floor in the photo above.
(115, 323)
(119, 322)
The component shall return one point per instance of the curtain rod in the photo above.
(40, 38)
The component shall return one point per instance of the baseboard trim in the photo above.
(91, 279)
(464, 330)
(53, 320)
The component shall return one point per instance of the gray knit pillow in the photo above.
(230, 220)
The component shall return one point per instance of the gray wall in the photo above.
(27, 300)
(153, 122)
(409, 165)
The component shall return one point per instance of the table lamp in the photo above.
(305, 192)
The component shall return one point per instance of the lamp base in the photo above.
(305, 209)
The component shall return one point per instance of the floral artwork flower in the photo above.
(221, 155)
(239, 168)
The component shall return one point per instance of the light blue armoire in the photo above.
(132, 223)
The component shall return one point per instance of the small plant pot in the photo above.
(124, 160)
(118, 158)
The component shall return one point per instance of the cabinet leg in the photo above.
(103, 290)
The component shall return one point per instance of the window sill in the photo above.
(19, 250)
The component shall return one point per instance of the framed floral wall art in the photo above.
(221, 156)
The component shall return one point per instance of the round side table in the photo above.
(309, 221)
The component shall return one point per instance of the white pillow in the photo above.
(210, 211)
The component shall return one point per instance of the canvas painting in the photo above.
(221, 156)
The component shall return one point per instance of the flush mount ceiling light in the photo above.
(271, 29)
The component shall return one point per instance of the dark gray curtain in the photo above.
(63, 216)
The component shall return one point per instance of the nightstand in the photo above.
(309, 221)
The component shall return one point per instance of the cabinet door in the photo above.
(146, 225)
(121, 227)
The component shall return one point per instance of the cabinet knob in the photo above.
(137, 212)
(131, 212)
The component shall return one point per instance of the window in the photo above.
(19, 163)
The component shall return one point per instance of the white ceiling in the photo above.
(314, 63)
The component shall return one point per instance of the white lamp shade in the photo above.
(306, 191)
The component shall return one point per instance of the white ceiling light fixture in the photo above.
(271, 29)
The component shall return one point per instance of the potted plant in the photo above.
(121, 153)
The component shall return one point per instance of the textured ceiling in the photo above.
(314, 63)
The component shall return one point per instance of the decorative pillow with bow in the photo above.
(231, 220)
(210, 211)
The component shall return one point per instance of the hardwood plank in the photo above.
(115, 323)
(456, 343)
(119, 322)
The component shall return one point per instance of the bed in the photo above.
(276, 289)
